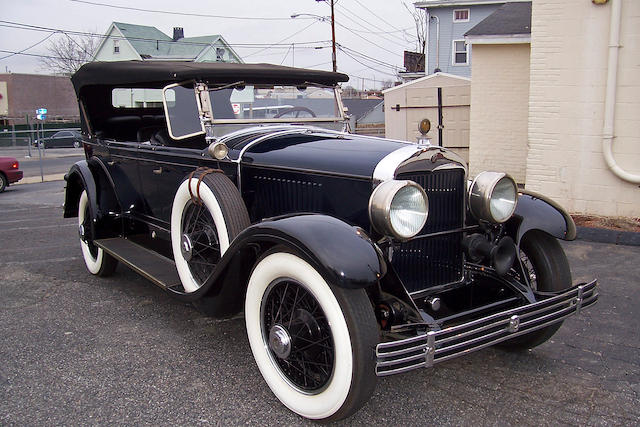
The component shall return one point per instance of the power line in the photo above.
(286, 38)
(368, 66)
(171, 12)
(356, 18)
(27, 48)
(367, 57)
(17, 25)
(377, 16)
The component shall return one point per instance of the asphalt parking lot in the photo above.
(80, 350)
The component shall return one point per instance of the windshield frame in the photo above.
(336, 119)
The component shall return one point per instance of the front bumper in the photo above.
(425, 350)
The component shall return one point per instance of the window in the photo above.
(116, 47)
(220, 54)
(460, 52)
(461, 15)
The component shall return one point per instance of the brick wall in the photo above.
(499, 100)
(568, 74)
(28, 92)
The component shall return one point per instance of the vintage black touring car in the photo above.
(238, 187)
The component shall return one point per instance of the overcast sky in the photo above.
(365, 28)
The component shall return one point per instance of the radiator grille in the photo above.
(438, 260)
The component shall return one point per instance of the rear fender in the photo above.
(537, 212)
(344, 256)
(103, 204)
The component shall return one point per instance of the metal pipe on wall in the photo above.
(610, 96)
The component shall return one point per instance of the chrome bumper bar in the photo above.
(427, 349)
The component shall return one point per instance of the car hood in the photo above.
(322, 152)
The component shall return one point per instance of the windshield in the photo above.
(274, 104)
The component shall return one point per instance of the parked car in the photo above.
(352, 257)
(61, 139)
(9, 172)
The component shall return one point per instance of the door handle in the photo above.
(157, 171)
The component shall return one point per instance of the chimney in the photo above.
(178, 33)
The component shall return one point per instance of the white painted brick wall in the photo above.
(499, 100)
(567, 85)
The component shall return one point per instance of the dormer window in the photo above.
(116, 46)
(461, 15)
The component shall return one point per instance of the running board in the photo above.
(153, 266)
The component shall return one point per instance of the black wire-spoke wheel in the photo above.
(313, 342)
(200, 246)
(298, 335)
(206, 215)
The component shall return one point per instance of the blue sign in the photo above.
(41, 111)
(41, 116)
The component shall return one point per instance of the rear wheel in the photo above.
(97, 261)
(4, 183)
(313, 342)
(547, 269)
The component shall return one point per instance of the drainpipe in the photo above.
(610, 97)
(437, 69)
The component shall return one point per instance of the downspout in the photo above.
(610, 96)
(428, 42)
(437, 69)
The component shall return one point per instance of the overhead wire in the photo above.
(172, 12)
(27, 48)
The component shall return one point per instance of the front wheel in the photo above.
(313, 343)
(547, 269)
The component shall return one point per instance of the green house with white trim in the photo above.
(125, 42)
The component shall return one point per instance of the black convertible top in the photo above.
(161, 73)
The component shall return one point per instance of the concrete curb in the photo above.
(37, 179)
(603, 235)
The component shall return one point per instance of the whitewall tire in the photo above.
(202, 232)
(97, 261)
(342, 320)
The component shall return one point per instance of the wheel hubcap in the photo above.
(297, 335)
(186, 247)
(280, 341)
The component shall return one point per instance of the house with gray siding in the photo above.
(447, 23)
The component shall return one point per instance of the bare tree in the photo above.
(420, 19)
(68, 53)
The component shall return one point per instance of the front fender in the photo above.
(344, 256)
(537, 212)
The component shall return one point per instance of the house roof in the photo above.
(429, 77)
(150, 42)
(509, 20)
(427, 4)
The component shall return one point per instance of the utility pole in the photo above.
(333, 38)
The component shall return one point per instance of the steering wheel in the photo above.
(296, 110)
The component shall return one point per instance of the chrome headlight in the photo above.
(493, 197)
(398, 209)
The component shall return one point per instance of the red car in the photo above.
(9, 172)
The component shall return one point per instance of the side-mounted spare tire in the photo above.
(207, 214)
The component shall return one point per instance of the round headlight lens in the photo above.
(398, 209)
(503, 200)
(408, 211)
(493, 197)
